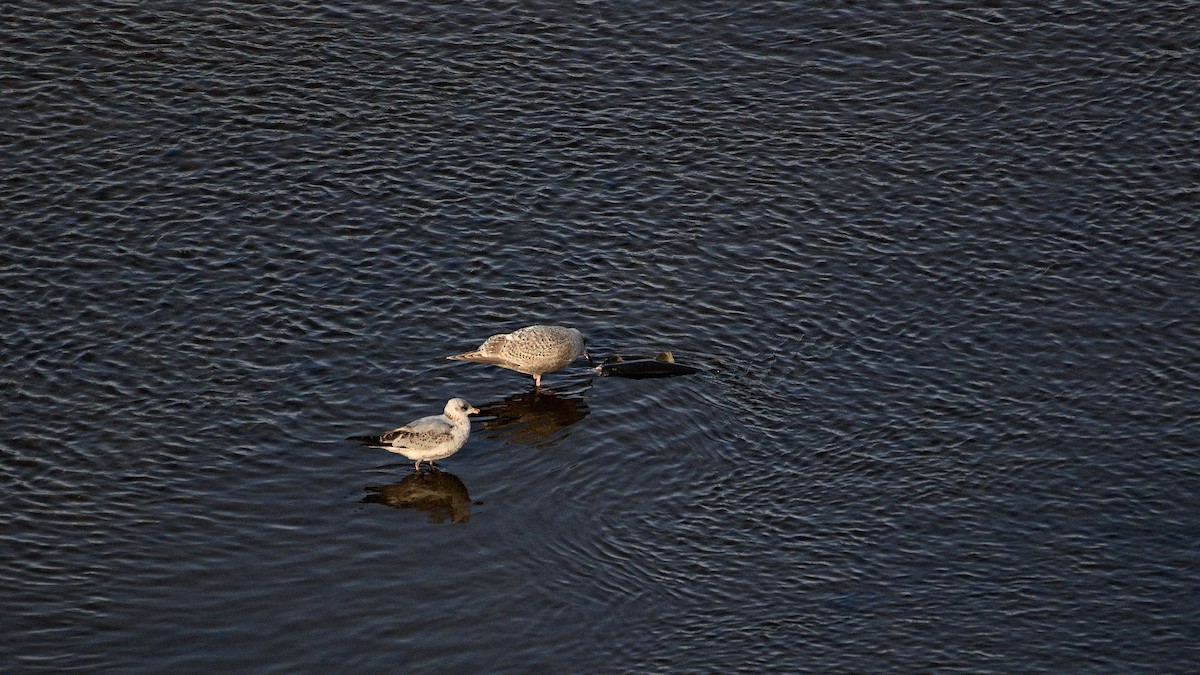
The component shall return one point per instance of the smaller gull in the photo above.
(429, 438)
(533, 350)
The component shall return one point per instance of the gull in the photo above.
(533, 350)
(429, 438)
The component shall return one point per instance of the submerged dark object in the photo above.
(662, 365)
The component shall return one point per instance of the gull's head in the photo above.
(582, 341)
(457, 407)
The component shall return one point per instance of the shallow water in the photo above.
(938, 264)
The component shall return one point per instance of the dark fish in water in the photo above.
(662, 365)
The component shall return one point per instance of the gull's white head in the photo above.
(457, 407)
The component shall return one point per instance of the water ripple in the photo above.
(935, 263)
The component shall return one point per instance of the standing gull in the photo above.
(429, 438)
(533, 350)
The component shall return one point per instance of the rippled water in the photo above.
(938, 262)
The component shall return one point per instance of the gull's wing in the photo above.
(490, 352)
(432, 430)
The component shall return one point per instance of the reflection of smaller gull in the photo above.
(533, 418)
(442, 494)
(429, 438)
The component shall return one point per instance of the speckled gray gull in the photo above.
(533, 350)
(429, 438)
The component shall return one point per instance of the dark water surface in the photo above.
(940, 262)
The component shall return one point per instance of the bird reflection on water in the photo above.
(438, 492)
(535, 418)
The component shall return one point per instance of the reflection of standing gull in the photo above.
(534, 350)
(533, 418)
(442, 494)
(429, 438)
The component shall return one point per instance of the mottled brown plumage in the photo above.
(533, 350)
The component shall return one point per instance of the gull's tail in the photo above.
(382, 440)
(367, 440)
(478, 356)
